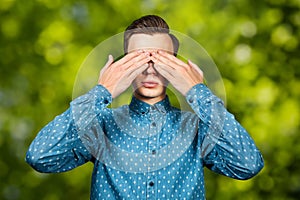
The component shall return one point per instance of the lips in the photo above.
(149, 84)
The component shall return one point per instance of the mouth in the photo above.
(149, 84)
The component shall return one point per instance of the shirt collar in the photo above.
(141, 107)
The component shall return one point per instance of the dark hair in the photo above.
(149, 24)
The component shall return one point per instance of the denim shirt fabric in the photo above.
(143, 151)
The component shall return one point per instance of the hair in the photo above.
(149, 24)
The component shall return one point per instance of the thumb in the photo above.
(109, 61)
(194, 66)
(107, 64)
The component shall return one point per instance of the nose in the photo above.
(150, 69)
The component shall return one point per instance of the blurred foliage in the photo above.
(254, 44)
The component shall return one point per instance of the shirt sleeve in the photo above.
(226, 147)
(58, 147)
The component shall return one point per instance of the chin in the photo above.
(150, 93)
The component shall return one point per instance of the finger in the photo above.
(108, 63)
(173, 69)
(168, 65)
(165, 72)
(170, 60)
(136, 62)
(128, 57)
(138, 67)
(196, 72)
(162, 63)
(132, 74)
(194, 66)
(129, 76)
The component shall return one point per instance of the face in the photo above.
(150, 86)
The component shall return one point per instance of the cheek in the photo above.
(136, 81)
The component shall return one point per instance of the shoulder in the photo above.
(184, 115)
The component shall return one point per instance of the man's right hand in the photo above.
(117, 76)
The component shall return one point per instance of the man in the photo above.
(147, 149)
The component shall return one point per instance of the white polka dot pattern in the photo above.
(146, 152)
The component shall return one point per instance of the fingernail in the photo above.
(190, 62)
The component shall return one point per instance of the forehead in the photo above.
(159, 41)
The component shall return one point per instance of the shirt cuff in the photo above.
(198, 92)
(85, 108)
(199, 98)
(102, 95)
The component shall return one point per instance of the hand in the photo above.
(183, 76)
(117, 76)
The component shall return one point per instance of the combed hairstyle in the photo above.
(149, 24)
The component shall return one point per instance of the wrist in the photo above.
(106, 87)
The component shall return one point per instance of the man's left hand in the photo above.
(183, 76)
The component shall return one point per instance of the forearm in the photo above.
(58, 146)
(234, 153)
(226, 147)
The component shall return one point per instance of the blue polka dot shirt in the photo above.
(143, 151)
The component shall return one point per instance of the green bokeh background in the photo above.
(255, 44)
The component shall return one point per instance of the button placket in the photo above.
(152, 146)
(151, 185)
(153, 131)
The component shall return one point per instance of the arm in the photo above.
(226, 147)
(76, 136)
(58, 146)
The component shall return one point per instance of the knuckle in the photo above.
(182, 70)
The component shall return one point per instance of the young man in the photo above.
(147, 149)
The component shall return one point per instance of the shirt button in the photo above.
(191, 100)
(153, 152)
(151, 184)
(153, 124)
(105, 101)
